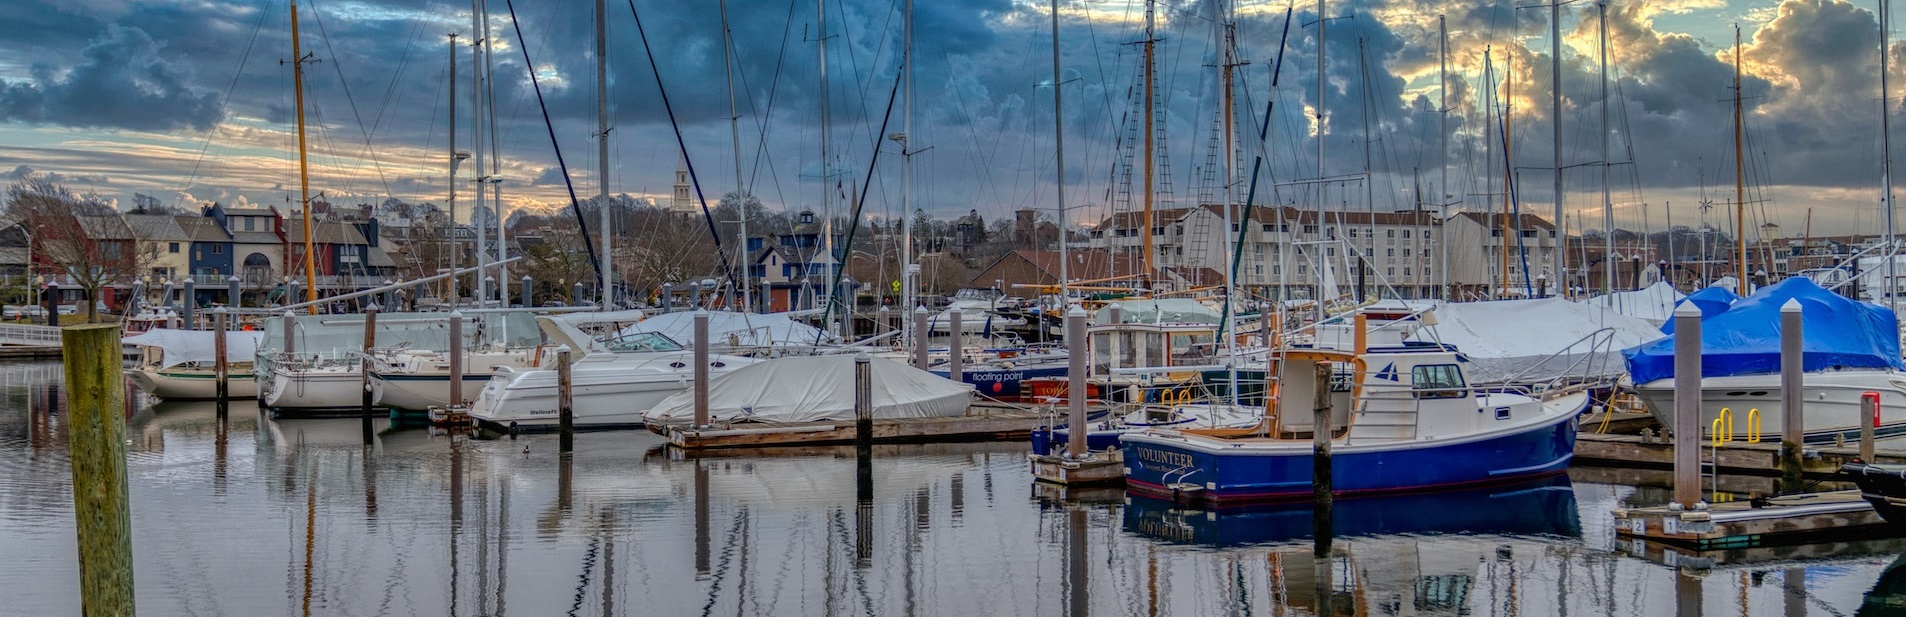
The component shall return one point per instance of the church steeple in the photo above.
(682, 204)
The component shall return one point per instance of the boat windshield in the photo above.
(643, 341)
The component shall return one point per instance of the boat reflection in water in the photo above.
(1542, 507)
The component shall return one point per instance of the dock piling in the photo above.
(95, 391)
(221, 369)
(53, 303)
(920, 360)
(1869, 420)
(528, 292)
(1687, 407)
(565, 402)
(668, 298)
(885, 318)
(188, 302)
(1322, 499)
(1792, 429)
(456, 359)
(233, 293)
(364, 405)
(291, 334)
(138, 297)
(701, 369)
(1075, 381)
(955, 348)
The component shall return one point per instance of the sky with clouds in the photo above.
(193, 100)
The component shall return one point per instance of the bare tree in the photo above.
(79, 236)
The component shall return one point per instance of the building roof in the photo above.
(157, 228)
(202, 229)
(331, 232)
(1522, 221)
(1085, 264)
(255, 237)
(109, 227)
(250, 212)
(378, 257)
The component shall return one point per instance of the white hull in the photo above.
(322, 388)
(1832, 403)
(181, 384)
(421, 392)
(604, 390)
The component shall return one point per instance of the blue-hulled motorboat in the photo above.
(1404, 419)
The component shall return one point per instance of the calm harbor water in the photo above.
(294, 517)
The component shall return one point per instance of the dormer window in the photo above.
(807, 217)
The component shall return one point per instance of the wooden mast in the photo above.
(1740, 178)
(304, 169)
(1150, 51)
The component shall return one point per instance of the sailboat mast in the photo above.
(495, 179)
(451, 282)
(1886, 167)
(304, 169)
(1059, 147)
(1442, 88)
(907, 277)
(734, 135)
(1558, 256)
(477, 38)
(1147, 222)
(1608, 205)
(602, 155)
(1508, 110)
(1740, 177)
(820, 12)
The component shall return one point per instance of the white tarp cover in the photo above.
(819, 388)
(182, 346)
(1655, 303)
(734, 329)
(1508, 339)
(1157, 311)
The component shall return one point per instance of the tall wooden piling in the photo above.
(221, 368)
(364, 403)
(1075, 382)
(188, 302)
(528, 292)
(1687, 406)
(1869, 420)
(233, 293)
(290, 323)
(95, 390)
(53, 303)
(701, 368)
(955, 348)
(1792, 375)
(456, 358)
(565, 401)
(920, 358)
(1322, 499)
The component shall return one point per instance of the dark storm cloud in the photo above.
(122, 81)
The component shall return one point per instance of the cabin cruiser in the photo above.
(612, 382)
(978, 313)
(418, 379)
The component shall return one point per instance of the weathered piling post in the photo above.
(863, 412)
(138, 298)
(565, 402)
(233, 294)
(489, 283)
(390, 296)
(668, 297)
(528, 291)
(955, 345)
(221, 369)
(885, 317)
(189, 301)
(165, 293)
(1792, 428)
(456, 359)
(863, 458)
(1869, 421)
(695, 296)
(53, 303)
(1076, 446)
(297, 290)
(920, 359)
(95, 391)
(291, 334)
(1687, 406)
(701, 369)
(575, 294)
(364, 403)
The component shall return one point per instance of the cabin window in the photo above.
(1438, 381)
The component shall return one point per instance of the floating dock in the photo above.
(1788, 519)
(980, 423)
(1105, 467)
(1731, 457)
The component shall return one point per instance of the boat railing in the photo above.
(1585, 355)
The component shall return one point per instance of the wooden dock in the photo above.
(980, 423)
(1732, 457)
(1788, 519)
(1098, 468)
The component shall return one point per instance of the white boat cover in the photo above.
(1654, 304)
(733, 329)
(1507, 339)
(182, 346)
(819, 388)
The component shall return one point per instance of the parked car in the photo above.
(22, 311)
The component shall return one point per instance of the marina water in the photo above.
(293, 517)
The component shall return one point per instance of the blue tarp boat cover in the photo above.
(1711, 300)
(1745, 340)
